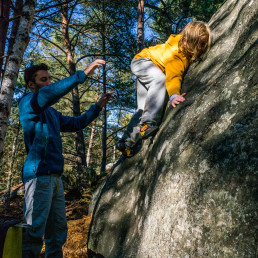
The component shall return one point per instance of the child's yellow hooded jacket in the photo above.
(170, 61)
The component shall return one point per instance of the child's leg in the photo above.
(131, 135)
(151, 93)
(154, 81)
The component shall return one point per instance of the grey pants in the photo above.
(44, 211)
(151, 97)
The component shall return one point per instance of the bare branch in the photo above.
(52, 6)
(53, 43)
(60, 62)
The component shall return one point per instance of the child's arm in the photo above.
(175, 68)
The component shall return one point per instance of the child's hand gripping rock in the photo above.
(178, 99)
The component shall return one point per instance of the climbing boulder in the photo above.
(190, 191)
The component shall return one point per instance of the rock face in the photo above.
(190, 191)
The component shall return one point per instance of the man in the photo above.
(44, 203)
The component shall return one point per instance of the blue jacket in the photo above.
(42, 125)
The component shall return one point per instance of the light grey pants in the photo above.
(44, 211)
(151, 97)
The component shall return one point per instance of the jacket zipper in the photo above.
(45, 149)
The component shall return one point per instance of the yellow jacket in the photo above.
(170, 61)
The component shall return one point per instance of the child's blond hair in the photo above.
(195, 40)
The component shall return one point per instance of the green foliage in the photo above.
(170, 16)
(14, 129)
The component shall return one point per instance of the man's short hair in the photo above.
(30, 72)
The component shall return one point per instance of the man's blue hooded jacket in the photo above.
(42, 125)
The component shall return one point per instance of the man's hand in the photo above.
(178, 99)
(90, 69)
(104, 99)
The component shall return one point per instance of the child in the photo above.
(156, 67)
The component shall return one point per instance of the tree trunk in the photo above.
(4, 22)
(140, 32)
(93, 129)
(104, 119)
(15, 26)
(140, 26)
(12, 67)
(79, 137)
(104, 129)
(92, 134)
(10, 173)
(116, 137)
(114, 153)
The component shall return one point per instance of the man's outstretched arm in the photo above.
(73, 124)
(49, 95)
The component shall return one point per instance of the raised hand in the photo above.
(104, 99)
(92, 66)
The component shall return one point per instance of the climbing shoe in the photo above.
(128, 152)
(148, 129)
(125, 150)
(120, 145)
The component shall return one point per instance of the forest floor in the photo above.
(78, 220)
